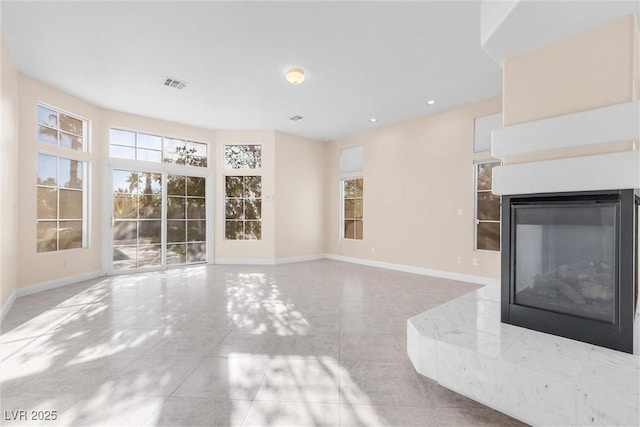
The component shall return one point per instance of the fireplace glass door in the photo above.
(565, 258)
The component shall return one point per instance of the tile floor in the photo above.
(314, 343)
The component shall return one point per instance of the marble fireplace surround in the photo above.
(538, 378)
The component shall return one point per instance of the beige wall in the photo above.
(420, 168)
(586, 71)
(299, 174)
(253, 250)
(295, 220)
(417, 174)
(8, 173)
(36, 267)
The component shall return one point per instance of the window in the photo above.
(352, 202)
(242, 156)
(186, 220)
(487, 217)
(137, 219)
(61, 203)
(243, 207)
(153, 148)
(61, 129)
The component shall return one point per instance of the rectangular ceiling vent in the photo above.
(178, 84)
(296, 118)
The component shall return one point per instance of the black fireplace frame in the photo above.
(617, 335)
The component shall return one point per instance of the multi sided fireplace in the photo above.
(570, 265)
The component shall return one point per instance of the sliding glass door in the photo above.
(158, 219)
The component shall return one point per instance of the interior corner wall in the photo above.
(8, 174)
(417, 174)
(299, 203)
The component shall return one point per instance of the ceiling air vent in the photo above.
(178, 84)
(296, 118)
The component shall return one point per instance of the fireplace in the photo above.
(570, 265)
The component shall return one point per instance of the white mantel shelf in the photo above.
(537, 378)
(614, 123)
(584, 129)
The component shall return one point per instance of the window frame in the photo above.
(225, 166)
(343, 180)
(164, 139)
(243, 220)
(477, 221)
(86, 129)
(85, 244)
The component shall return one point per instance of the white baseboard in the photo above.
(245, 261)
(4, 309)
(57, 283)
(300, 259)
(418, 270)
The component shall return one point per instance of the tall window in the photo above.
(186, 220)
(126, 144)
(61, 204)
(243, 207)
(487, 207)
(352, 202)
(242, 156)
(61, 129)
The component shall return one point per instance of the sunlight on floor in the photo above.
(318, 343)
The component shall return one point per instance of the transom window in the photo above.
(61, 129)
(243, 207)
(242, 156)
(132, 145)
(61, 203)
(487, 207)
(352, 203)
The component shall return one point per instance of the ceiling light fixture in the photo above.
(373, 120)
(295, 76)
(431, 102)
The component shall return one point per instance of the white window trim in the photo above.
(341, 225)
(86, 201)
(475, 205)
(86, 129)
(247, 172)
(163, 137)
(224, 167)
(154, 167)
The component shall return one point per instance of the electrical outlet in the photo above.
(373, 250)
(67, 262)
(459, 259)
(460, 212)
(475, 262)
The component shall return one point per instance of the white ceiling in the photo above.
(362, 59)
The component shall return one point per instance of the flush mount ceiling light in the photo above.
(373, 120)
(431, 102)
(295, 76)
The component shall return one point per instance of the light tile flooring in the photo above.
(314, 343)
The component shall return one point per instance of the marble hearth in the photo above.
(537, 378)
